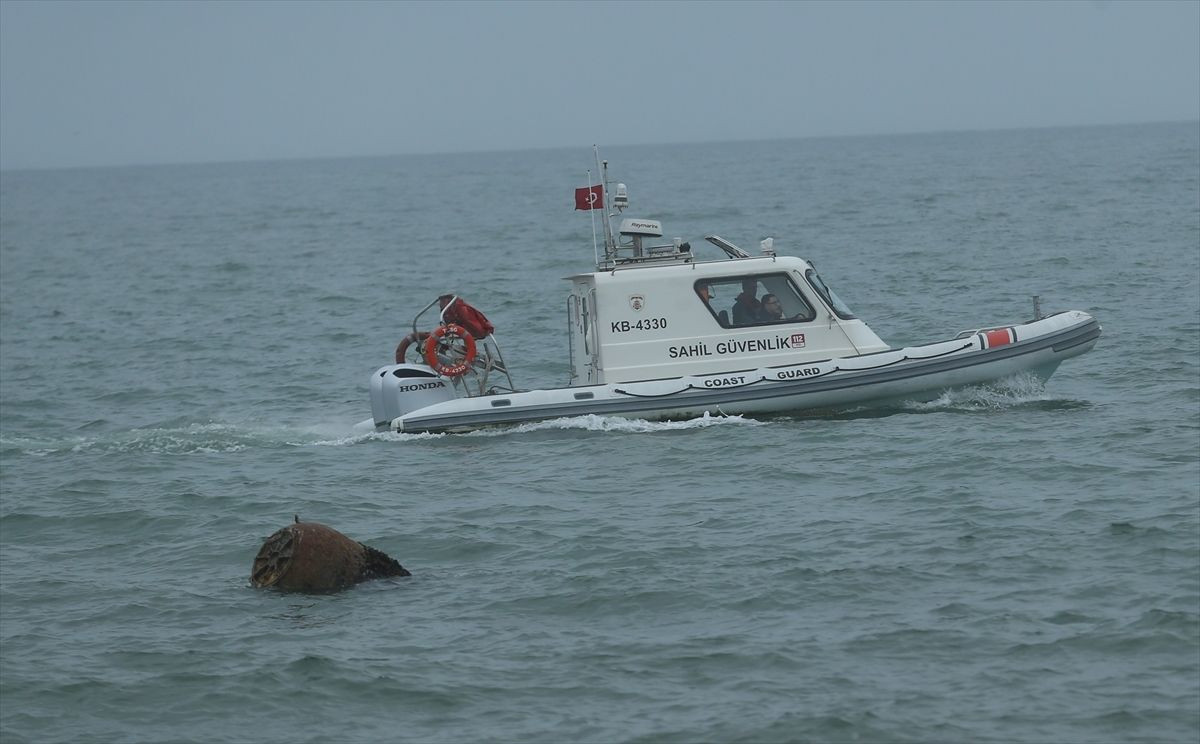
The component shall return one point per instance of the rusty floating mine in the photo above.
(312, 557)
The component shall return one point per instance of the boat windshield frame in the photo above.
(835, 303)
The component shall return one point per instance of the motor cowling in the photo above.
(398, 389)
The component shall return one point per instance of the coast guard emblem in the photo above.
(637, 302)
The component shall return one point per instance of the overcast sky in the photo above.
(100, 83)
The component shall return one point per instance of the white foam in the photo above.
(1007, 393)
(381, 436)
(217, 437)
(593, 422)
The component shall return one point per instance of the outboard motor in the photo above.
(398, 389)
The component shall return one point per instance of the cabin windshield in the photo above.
(841, 308)
(754, 300)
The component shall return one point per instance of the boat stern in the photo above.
(398, 389)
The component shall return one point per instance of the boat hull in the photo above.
(912, 373)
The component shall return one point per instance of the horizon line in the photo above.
(442, 153)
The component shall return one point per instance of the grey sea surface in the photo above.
(184, 352)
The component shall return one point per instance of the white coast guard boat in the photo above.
(656, 332)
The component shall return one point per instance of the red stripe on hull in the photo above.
(999, 338)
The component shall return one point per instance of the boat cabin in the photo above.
(653, 310)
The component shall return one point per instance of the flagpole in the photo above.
(595, 250)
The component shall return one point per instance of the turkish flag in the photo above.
(590, 198)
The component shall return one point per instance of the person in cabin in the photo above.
(747, 307)
(772, 309)
(705, 292)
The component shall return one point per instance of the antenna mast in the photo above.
(610, 249)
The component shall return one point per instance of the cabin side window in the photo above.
(754, 300)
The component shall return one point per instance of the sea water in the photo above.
(185, 351)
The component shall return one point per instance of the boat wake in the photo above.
(1020, 391)
(215, 437)
(185, 439)
(622, 425)
(1012, 392)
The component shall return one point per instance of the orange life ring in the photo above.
(407, 341)
(453, 330)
